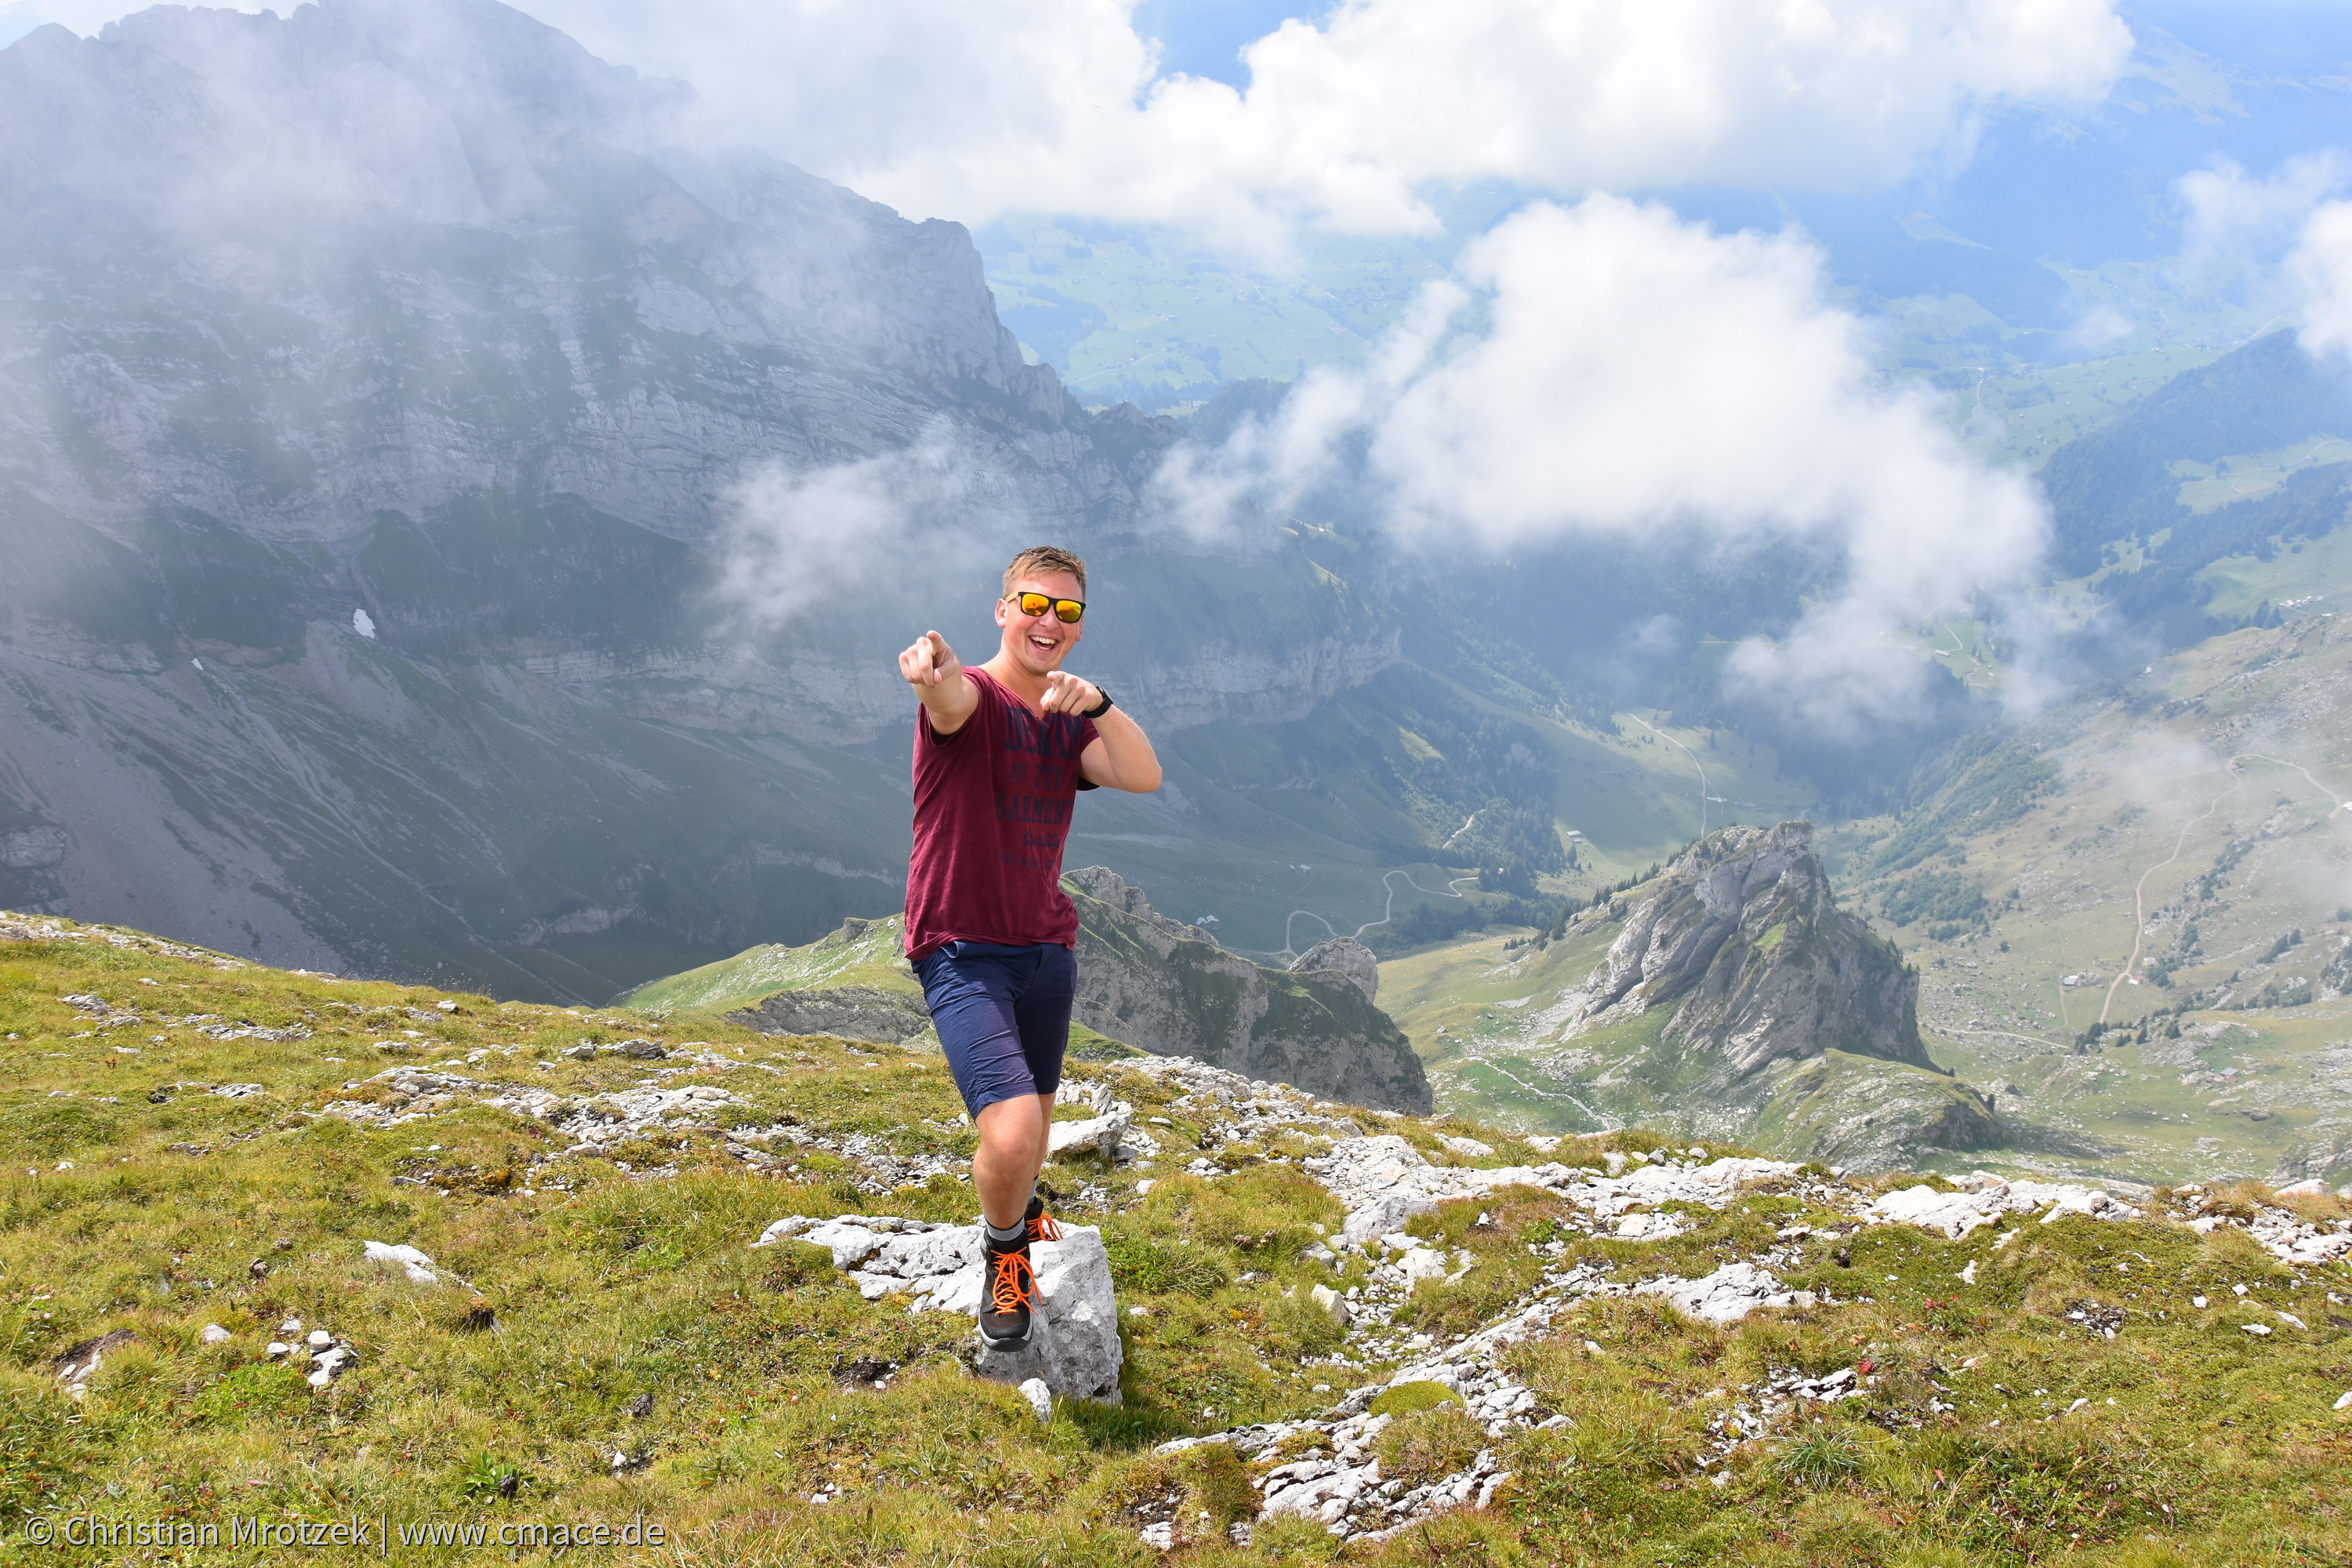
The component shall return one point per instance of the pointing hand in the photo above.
(929, 662)
(1067, 693)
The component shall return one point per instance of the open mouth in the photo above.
(1045, 645)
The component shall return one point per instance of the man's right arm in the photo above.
(931, 667)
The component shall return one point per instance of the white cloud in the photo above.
(2236, 216)
(970, 111)
(2320, 269)
(796, 546)
(1607, 368)
(2288, 237)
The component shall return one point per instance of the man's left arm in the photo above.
(1120, 755)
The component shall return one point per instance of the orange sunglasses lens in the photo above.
(1066, 611)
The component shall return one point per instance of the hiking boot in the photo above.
(1041, 1224)
(1008, 1292)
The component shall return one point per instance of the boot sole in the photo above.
(987, 1343)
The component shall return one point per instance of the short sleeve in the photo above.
(1087, 736)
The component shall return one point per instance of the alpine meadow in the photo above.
(1720, 930)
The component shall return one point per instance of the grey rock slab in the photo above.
(1101, 1134)
(1344, 956)
(1988, 1197)
(844, 1012)
(1726, 1296)
(1073, 1345)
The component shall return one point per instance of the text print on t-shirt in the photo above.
(1044, 756)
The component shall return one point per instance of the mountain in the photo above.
(1146, 983)
(2230, 458)
(399, 446)
(1728, 996)
(1164, 986)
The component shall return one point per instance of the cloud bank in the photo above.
(973, 111)
(1607, 368)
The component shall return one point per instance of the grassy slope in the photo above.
(2124, 783)
(610, 1311)
(871, 957)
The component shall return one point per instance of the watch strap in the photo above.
(1099, 709)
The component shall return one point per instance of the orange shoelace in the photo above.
(1043, 1228)
(1013, 1284)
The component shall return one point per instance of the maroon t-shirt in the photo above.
(992, 811)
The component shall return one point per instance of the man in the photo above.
(1000, 754)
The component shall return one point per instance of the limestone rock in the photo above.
(1726, 1296)
(1074, 1344)
(1343, 955)
(1384, 1181)
(1100, 1134)
(415, 1264)
(1743, 934)
(846, 1012)
(1988, 1197)
(1165, 988)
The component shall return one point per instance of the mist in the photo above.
(1607, 370)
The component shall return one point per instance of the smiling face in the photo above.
(1038, 644)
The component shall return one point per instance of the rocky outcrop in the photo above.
(846, 1012)
(1743, 938)
(1073, 1347)
(1346, 956)
(1166, 988)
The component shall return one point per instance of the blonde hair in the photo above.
(1040, 559)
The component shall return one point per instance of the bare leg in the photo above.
(1012, 1143)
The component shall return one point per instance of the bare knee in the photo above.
(1014, 1128)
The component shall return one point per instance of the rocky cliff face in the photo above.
(1743, 938)
(383, 404)
(1731, 999)
(1165, 988)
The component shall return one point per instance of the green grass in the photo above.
(605, 1313)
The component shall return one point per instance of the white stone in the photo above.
(415, 1264)
(1073, 1345)
(1422, 1262)
(2313, 1188)
(2343, 1401)
(1160, 1537)
(1726, 1296)
(1987, 1198)
(213, 1334)
(1468, 1148)
(1650, 1227)
(321, 1339)
(1040, 1397)
(1334, 1305)
(276, 1348)
(1102, 1134)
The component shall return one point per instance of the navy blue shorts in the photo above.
(1004, 1015)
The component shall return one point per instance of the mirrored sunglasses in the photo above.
(1067, 611)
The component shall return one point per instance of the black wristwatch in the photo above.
(1099, 709)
